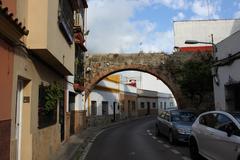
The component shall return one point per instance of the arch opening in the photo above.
(125, 93)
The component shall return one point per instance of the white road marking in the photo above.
(166, 146)
(148, 130)
(150, 134)
(175, 151)
(154, 137)
(186, 158)
(159, 141)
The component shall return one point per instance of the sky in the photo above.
(131, 26)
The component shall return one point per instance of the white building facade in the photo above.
(166, 101)
(227, 88)
(204, 31)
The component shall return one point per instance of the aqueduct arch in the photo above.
(99, 66)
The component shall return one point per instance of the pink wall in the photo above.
(6, 76)
(11, 4)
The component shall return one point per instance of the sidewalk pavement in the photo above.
(77, 145)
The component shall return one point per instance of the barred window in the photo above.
(45, 118)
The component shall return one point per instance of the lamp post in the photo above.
(200, 42)
(214, 50)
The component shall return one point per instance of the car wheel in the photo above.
(171, 138)
(157, 133)
(193, 149)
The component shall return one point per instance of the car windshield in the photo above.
(236, 116)
(177, 116)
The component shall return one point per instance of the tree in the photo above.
(196, 79)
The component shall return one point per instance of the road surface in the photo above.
(135, 140)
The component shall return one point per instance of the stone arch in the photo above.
(163, 75)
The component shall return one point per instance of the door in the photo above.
(225, 147)
(114, 111)
(71, 104)
(206, 134)
(18, 121)
(148, 108)
(62, 116)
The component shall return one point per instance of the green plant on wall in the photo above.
(53, 93)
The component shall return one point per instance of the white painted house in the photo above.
(166, 101)
(227, 74)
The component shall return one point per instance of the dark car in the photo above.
(175, 124)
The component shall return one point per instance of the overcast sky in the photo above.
(123, 26)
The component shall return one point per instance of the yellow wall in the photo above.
(41, 19)
(113, 78)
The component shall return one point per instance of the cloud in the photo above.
(179, 16)
(205, 9)
(236, 14)
(174, 4)
(113, 30)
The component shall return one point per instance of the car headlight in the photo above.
(183, 131)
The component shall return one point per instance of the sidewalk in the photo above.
(76, 146)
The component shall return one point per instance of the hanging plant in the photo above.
(53, 93)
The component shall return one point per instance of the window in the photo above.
(142, 105)
(171, 104)
(66, 19)
(45, 118)
(167, 116)
(153, 105)
(161, 105)
(165, 105)
(93, 108)
(104, 108)
(209, 120)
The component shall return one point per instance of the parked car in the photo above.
(175, 124)
(216, 136)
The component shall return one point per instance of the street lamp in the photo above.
(200, 42)
(214, 46)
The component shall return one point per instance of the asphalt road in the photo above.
(135, 141)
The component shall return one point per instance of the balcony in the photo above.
(46, 39)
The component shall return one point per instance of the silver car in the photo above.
(175, 124)
(216, 136)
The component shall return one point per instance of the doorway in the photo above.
(23, 120)
(71, 105)
(18, 116)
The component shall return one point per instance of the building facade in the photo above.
(147, 102)
(11, 33)
(37, 114)
(165, 101)
(226, 74)
(102, 104)
(204, 31)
